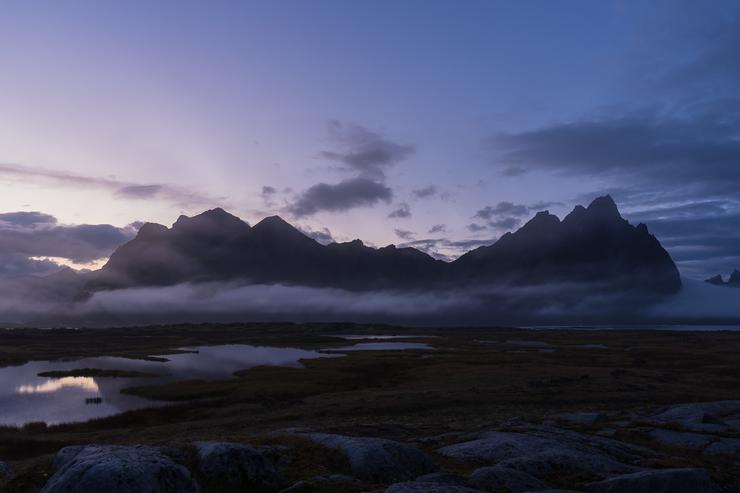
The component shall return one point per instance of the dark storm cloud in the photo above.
(403, 212)
(426, 192)
(342, 196)
(121, 189)
(437, 228)
(363, 151)
(28, 237)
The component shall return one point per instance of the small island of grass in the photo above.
(96, 372)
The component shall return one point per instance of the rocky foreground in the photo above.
(663, 450)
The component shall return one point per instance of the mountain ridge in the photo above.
(591, 244)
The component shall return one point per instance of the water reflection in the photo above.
(85, 383)
(25, 397)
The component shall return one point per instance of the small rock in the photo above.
(681, 439)
(378, 459)
(118, 469)
(657, 481)
(421, 487)
(234, 465)
(498, 478)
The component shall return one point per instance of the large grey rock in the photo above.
(540, 450)
(497, 478)
(496, 446)
(234, 465)
(548, 463)
(118, 469)
(657, 481)
(682, 439)
(422, 487)
(699, 416)
(378, 459)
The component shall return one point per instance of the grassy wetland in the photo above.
(470, 379)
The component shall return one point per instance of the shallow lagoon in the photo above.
(26, 397)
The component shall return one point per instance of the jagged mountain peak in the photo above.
(216, 216)
(216, 245)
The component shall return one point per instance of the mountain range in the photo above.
(592, 244)
(732, 282)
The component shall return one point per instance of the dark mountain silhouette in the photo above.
(593, 245)
(732, 282)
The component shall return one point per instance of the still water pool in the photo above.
(26, 397)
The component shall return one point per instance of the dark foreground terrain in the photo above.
(485, 410)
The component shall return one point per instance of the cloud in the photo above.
(24, 219)
(267, 195)
(404, 234)
(426, 192)
(403, 212)
(15, 264)
(475, 228)
(139, 191)
(322, 235)
(703, 238)
(35, 234)
(342, 196)
(121, 189)
(695, 149)
(438, 228)
(501, 209)
(507, 223)
(544, 205)
(363, 151)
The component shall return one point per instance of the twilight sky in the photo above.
(436, 124)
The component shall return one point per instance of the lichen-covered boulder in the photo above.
(378, 459)
(234, 465)
(118, 469)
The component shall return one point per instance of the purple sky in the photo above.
(443, 124)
